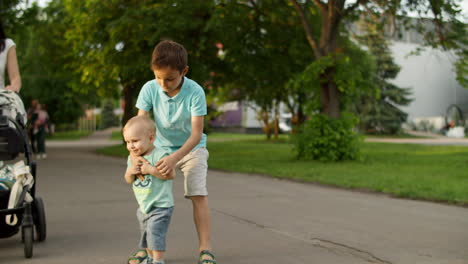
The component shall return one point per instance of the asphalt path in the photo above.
(255, 219)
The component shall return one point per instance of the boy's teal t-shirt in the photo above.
(173, 116)
(152, 192)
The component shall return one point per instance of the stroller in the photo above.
(28, 210)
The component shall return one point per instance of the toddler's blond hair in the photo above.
(144, 121)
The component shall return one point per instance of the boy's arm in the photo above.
(147, 168)
(167, 164)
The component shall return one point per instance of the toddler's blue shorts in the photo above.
(153, 227)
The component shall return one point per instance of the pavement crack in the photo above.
(335, 247)
(342, 248)
(241, 219)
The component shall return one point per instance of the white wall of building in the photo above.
(432, 80)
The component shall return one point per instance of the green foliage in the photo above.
(42, 54)
(112, 42)
(461, 68)
(380, 113)
(328, 139)
(263, 52)
(10, 12)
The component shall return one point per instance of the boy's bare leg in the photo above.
(201, 217)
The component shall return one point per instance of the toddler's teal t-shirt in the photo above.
(152, 192)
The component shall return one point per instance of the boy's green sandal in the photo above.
(135, 256)
(207, 261)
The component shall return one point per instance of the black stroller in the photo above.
(30, 215)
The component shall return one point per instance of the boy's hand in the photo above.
(166, 165)
(147, 168)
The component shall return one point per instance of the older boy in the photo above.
(179, 107)
(152, 190)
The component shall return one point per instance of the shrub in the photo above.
(328, 139)
(108, 119)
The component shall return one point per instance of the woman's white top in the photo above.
(3, 61)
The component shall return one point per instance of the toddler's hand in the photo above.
(135, 169)
(136, 160)
(146, 168)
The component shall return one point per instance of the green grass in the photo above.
(398, 136)
(436, 173)
(218, 136)
(116, 135)
(69, 135)
(116, 150)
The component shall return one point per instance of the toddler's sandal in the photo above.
(140, 259)
(207, 261)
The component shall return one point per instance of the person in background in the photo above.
(40, 129)
(32, 117)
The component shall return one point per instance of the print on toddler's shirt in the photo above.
(142, 184)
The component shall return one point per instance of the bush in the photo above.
(108, 119)
(328, 139)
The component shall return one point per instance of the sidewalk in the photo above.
(255, 219)
(98, 139)
(432, 139)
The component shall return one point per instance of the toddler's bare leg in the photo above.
(157, 254)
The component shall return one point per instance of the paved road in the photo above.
(256, 219)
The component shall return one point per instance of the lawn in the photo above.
(404, 135)
(436, 173)
(69, 135)
(116, 135)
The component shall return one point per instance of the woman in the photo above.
(9, 62)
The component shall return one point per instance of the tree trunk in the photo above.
(129, 94)
(276, 122)
(329, 95)
(331, 13)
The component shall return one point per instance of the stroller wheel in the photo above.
(39, 219)
(27, 233)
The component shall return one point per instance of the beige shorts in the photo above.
(194, 168)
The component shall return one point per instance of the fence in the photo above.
(87, 123)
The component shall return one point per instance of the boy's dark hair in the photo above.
(169, 54)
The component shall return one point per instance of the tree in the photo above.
(9, 13)
(462, 68)
(108, 119)
(380, 113)
(42, 54)
(335, 13)
(113, 41)
(262, 53)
